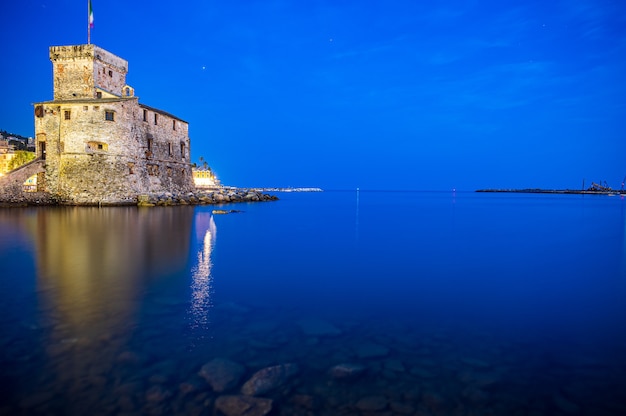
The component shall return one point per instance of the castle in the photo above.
(97, 143)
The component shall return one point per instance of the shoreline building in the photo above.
(6, 154)
(97, 142)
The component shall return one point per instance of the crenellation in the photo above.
(99, 143)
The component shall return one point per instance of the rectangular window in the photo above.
(145, 115)
(94, 146)
(110, 73)
(173, 124)
(98, 94)
(153, 170)
(67, 114)
(156, 118)
(149, 145)
(109, 115)
(85, 107)
(96, 107)
(182, 150)
(169, 149)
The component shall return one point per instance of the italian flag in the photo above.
(90, 15)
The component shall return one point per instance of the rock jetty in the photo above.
(204, 197)
(197, 197)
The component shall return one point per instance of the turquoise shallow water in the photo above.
(363, 303)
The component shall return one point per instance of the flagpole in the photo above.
(88, 23)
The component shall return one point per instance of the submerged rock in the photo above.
(268, 379)
(157, 394)
(221, 374)
(243, 405)
(346, 371)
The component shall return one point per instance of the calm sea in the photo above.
(332, 303)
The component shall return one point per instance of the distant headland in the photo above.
(602, 188)
(557, 191)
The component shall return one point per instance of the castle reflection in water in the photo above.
(93, 265)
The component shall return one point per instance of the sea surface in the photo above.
(331, 303)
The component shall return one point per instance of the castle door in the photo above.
(42, 150)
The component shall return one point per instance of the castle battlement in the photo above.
(87, 52)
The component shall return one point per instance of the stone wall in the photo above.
(109, 71)
(104, 150)
(12, 185)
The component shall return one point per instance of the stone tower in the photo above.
(84, 71)
(99, 143)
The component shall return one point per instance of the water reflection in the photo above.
(92, 266)
(202, 281)
(623, 212)
(98, 260)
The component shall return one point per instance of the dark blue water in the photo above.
(439, 303)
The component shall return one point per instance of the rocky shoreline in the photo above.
(198, 197)
(205, 197)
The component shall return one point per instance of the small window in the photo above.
(182, 150)
(109, 115)
(131, 167)
(110, 73)
(156, 119)
(99, 94)
(97, 146)
(96, 107)
(173, 124)
(145, 115)
(169, 149)
(85, 107)
(67, 114)
(149, 145)
(153, 170)
(39, 111)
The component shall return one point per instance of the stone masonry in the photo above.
(98, 143)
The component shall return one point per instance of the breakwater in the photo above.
(205, 197)
(197, 197)
(289, 189)
(557, 191)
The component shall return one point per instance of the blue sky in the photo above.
(345, 94)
